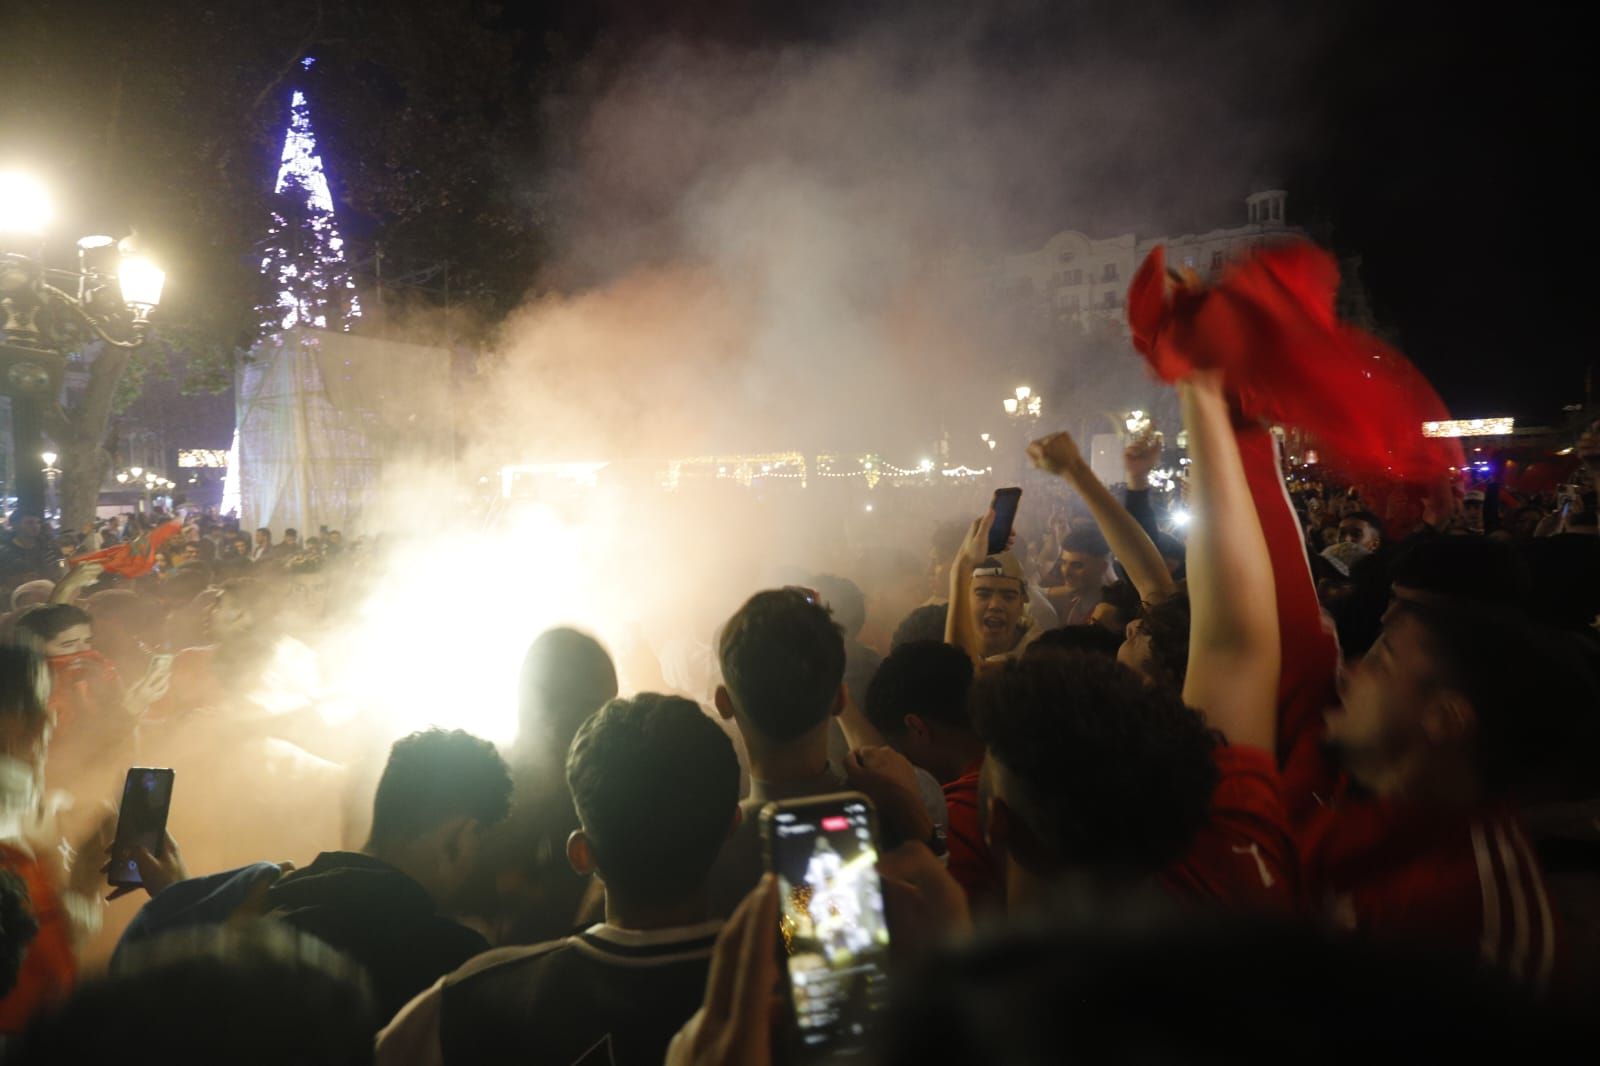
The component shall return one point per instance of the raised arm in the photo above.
(1234, 648)
(959, 628)
(1058, 454)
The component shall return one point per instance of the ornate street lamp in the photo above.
(46, 312)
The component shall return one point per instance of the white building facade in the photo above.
(1082, 276)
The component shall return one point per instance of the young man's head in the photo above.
(439, 792)
(918, 701)
(249, 994)
(1156, 644)
(1119, 605)
(922, 623)
(26, 527)
(291, 538)
(58, 629)
(32, 593)
(566, 677)
(782, 670)
(1084, 554)
(263, 537)
(1089, 771)
(1457, 701)
(1362, 528)
(999, 603)
(845, 600)
(656, 787)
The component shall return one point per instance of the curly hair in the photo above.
(1110, 773)
(1166, 625)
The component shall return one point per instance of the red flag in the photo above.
(1268, 323)
(135, 558)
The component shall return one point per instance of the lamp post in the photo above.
(1023, 408)
(46, 312)
(51, 472)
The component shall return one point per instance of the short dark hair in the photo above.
(433, 776)
(783, 662)
(923, 623)
(1089, 638)
(566, 677)
(655, 783)
(1112, 773)
(1537, 723)
(264, 529)
(1463, 568)
(48, 621)
(1365, 516)
(1086, 539)
(252, 994)
(925, 677)
(845, 599)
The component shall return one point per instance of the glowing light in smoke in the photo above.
(1180, 518)
(231, 503)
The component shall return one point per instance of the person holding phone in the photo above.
(656, 787)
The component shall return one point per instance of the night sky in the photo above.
(1439, 144)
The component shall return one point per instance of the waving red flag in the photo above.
(137, 557)
(1268, 323)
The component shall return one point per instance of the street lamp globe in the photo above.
(136, 471)
(24, 204)
(49, 458)
(142, 282)
(122, 477)
(1010, 404)
(1023, 392)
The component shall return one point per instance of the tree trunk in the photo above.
(81, 434)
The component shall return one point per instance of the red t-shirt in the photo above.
(1244, 856)
(970, 862)
(1465, 883)
(48, 968)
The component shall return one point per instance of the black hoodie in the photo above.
(378, 916)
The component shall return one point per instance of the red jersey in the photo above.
(1463, 883)
(970, 862)
(1244, 855)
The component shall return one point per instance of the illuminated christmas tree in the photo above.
(303, 253)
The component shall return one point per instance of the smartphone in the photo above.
(141, 821)
(1004, 506)
(831, 923)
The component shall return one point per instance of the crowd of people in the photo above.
(1306, 767)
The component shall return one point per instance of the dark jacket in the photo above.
(378, 916)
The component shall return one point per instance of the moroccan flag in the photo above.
(1269, 324)
(135, 558)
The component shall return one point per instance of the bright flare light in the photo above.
(1470, 427)
(1180, 518)
(142, 282)
(24, 204)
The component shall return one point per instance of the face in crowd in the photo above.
(1083, 572)
(997, 607)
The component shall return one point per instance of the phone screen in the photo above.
(141, 821)
(835, 937)
(1005, 513)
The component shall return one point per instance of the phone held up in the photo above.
(831, 923)
(1005, 514)
(141, 821)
